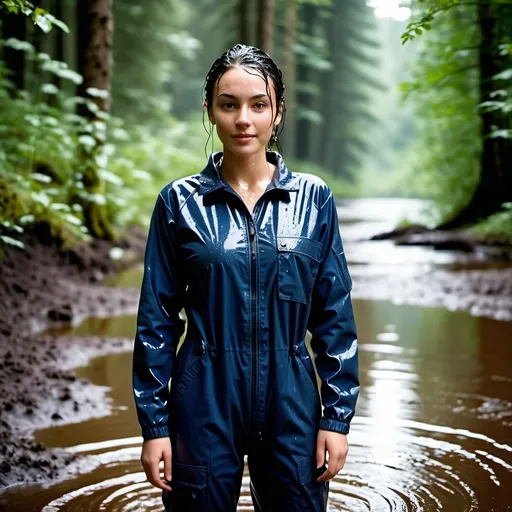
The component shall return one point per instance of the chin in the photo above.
(250, 149)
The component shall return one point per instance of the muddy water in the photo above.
(433, 429)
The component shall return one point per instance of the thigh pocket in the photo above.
(313, 494)
(298, 260)
(188, 488)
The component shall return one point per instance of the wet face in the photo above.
(242, 112)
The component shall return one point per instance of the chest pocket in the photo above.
(298, 260)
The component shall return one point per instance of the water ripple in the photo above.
(418, 468)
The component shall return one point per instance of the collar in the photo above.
(210, 178)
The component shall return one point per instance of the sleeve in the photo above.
(159, 326)
(333, 328)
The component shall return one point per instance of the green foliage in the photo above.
(37, 148)
(43, 19)
(497, 225)
(42, 144)
(446, 93)
(150, 43)
(141, 164)
(445, 158)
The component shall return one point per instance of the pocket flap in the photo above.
(307, 469)
(300, 244)
(186, 475)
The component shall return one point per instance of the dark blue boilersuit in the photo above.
(243, 382)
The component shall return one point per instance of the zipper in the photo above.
(254, 314)
(254, 303)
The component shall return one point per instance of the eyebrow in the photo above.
(255, 97)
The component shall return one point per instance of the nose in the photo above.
(243, 120)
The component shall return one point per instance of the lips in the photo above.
(244, 136)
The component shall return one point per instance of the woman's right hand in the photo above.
(153, 451)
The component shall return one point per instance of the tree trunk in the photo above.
(95, 24)
(290, 24)
(495, 185)
(266, 13)
(326, 147)
(95, 33)
(243, 23)
(59, 40)
(304, 99)
(14, 25)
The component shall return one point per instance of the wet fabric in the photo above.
(243, 382)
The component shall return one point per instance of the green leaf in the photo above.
(41, 20)
(97, 93)
(23, 46)
(71, 75)
(501, 134)
(504, 75)
(110, 177)
(42, 178)
(12, 241)
(49, 89)
(33, 120)
(55, 21)
(87, 141)
(72, 219)
(98, 199)
(27, 219)
(142, 175)
(41, 198)
(91, 106)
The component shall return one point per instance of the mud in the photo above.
(480, 281)
(43, 287)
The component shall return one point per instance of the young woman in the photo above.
(253, 253)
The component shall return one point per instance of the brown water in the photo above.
(433, 429)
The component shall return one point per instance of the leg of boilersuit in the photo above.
(201, 489)
(282, 461)
(207, 436)
(282, 483)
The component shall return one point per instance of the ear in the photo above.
(210, 115)
(279, 115)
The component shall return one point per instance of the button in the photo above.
(295, 348)
(194, 495)
(283, 244)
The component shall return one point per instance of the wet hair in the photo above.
(250, 58)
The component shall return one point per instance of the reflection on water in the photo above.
(432, 430)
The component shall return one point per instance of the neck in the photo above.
(250, 170)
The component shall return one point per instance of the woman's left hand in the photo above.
(336, 445)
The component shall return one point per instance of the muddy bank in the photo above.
(480, 282)
(486, 293)
(492, 248)
(41, 287)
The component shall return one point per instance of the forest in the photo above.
(101, 105)
(403, 107)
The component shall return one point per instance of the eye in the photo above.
(228, 105)
(260, 105)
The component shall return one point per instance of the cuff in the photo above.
(153, 433)
(334, 425)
